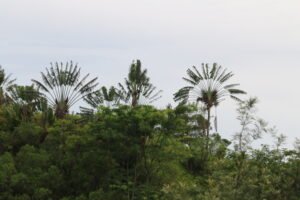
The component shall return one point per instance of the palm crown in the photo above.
(106, 96)
(63, 86)
(138, 86)
(208, 87)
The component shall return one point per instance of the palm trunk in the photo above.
(134, 102)
(208, 126)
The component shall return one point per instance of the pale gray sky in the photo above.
(257, 39)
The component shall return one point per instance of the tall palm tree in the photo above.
(5, 84)
(207, 87)
(137, 86)
(63, 86)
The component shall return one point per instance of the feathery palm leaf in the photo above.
(109, 97)
(5, 84)
(25, 101)
(138, 89)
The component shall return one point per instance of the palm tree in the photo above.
(63, 87)
(138, 86)
(106, 96)
(25, 101)
(207, 88)
(5, 84)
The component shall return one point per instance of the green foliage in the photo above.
(135, 152)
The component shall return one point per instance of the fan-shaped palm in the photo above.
(207, 87)
(138, 85)
(106, 96)
(5, 83)
(63, 87)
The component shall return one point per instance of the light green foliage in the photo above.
(252, 127)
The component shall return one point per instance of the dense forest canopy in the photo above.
(120, 147)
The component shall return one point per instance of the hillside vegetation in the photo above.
(120, 147)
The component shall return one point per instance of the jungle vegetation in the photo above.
(120, 147)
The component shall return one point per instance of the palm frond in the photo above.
(236, 98)
(236, 91)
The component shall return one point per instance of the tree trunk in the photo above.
(208, 126)
(134, 102)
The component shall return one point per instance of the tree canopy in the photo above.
(129, 151)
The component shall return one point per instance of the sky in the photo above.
(256, 39)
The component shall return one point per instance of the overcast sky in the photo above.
(259, 40)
